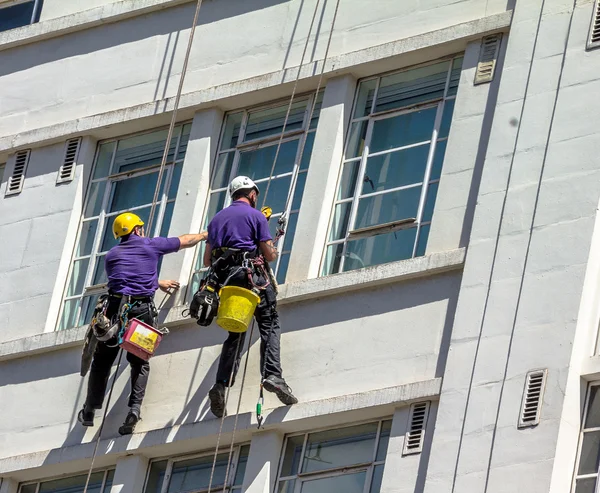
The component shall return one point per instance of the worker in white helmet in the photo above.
(235, 233)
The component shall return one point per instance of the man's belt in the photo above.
(130, 298)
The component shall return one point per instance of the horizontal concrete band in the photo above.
(370, 277)
(206, 97)
(188, 437)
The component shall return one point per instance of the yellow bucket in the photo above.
(236, 308)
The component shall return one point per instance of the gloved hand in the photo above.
(267, 211)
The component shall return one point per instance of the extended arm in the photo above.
(188, 241)
(268, 250)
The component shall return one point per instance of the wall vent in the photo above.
(415, 435)
(533, 394)
(488, 56)
(67, 169)
(594, 39)
(16, 180)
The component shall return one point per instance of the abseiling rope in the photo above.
(151, 216)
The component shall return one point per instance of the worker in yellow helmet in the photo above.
(132, 271)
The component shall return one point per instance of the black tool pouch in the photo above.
(204, 306)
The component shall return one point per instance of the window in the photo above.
(124, 179)
(586, 469)
(392, 166)
(248, 146)
(19, 13)
(187, 474)
(2, 166)
(100, 482)
(348, 460)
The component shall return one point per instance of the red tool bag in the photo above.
(141, 339)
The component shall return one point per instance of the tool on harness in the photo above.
(205, 303)
(137, 337)
(259, 406)
(267, 211)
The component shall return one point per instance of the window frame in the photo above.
(39, 482)
(299, 134)
(111, 179)
(35, 13)
(582, 432)
(300, 477)
(353, 233)
(171, 460)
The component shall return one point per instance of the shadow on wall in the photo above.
(128, 31)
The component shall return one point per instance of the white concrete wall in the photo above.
(138, 60)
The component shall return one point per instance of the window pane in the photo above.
(99, 272)
(388, 207)
(86, 239)
(333, 256)
(402, 130)
(88, 303)
(438, 160)
(588, 463)
(78, 276)
(95, 198)
(308, 148)
(109, 481)
(455, 76)
(291, 459)
(287, 486)
(16, 16)
(105, 153)
(175, 179)
(423, 237)
(592, 419)
(133, 192)
(364, 101)
(143, 150)
(348, 180)
(288, 238)
(164, 229)
(412, 87)
(217, 200)
(233, 123)
(156, 477)
(270, 122)
(183, 143)
(430, 202)
(317, 111)
(241, 466)
(74, 484)
(348, 483)
(222, 171)
(284, 262)
(384, 440)
(587, 485)
(380, 249)
(299, 191)
(278, 193)
(69, 315)
(395, 169)
(377, 477)
(28, 488)
(335, 448)
(339, 227)
(194, 474)
(356, 139)
(446, 118)
(257, 164)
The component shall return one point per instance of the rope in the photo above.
(174, 116)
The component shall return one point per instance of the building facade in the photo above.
(438, 281)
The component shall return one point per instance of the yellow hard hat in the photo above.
(124, 224)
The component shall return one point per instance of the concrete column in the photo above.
(130, 474)
(192, 196)
(319, 194)
(263, 461)
(8, 485)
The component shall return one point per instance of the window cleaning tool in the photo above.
(141, 339)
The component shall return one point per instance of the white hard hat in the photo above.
(242, 183)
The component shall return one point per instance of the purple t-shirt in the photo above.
(238, 226)
(132, 265)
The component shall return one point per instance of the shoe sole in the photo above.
(126, 430)
(84, 422)
(284, 397)
(217, 404)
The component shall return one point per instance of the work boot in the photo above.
(129, 425)
(217, 400)
(281, 389)
(86, 417)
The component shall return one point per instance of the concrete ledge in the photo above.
(590, 369)
(379, 275)
(195, 100)
(79, 21)
(202, 435)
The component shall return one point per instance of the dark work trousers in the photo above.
(105, 355)
(267, 319)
